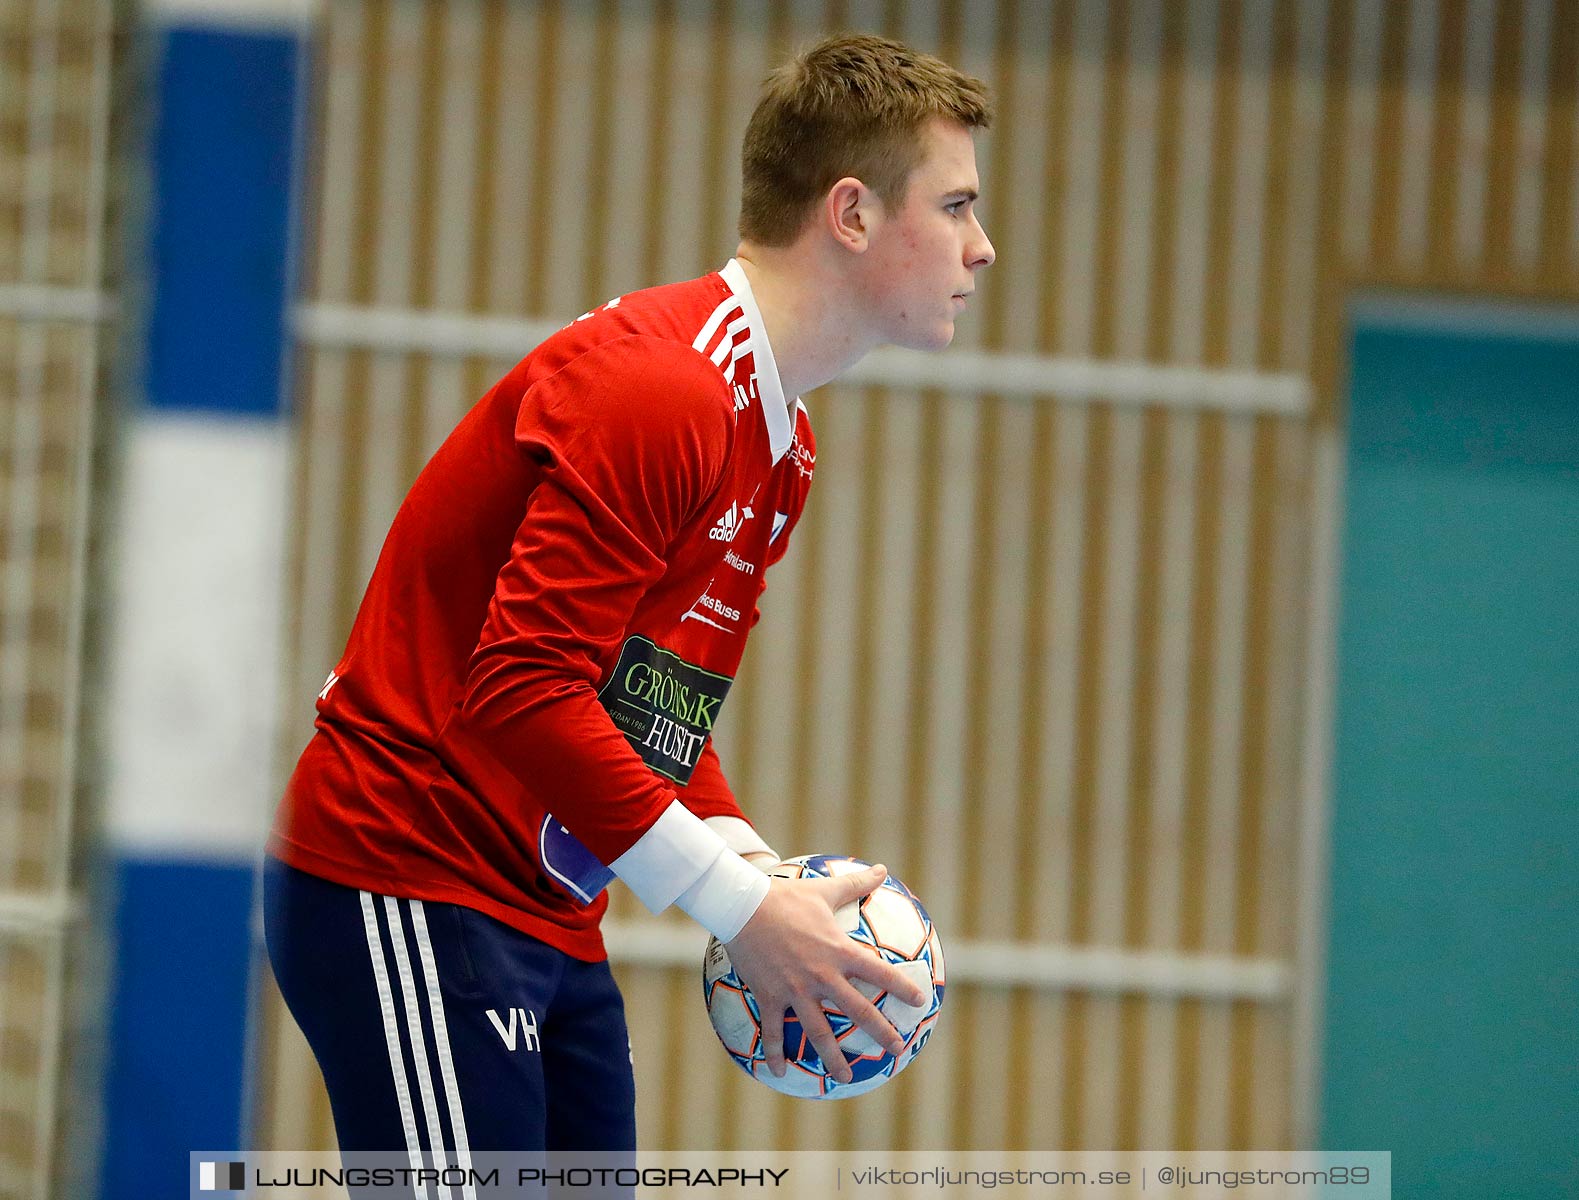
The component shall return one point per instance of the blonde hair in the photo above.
(854, 104)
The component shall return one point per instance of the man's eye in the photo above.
(956, 208)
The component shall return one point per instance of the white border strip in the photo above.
(343, 326)
(1315, 786)
(287, 16)
(1472, 316)
(1010, 964)
(37, 302)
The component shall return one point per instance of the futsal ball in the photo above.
(894, 924)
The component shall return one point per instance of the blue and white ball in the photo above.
(896, 926)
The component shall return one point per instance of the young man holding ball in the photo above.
(524, 706)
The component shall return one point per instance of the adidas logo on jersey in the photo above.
(729, 524)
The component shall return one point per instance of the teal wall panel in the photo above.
(1452, 1032)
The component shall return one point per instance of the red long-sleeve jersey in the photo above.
(554, 621)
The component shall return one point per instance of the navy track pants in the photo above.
(438, 1027)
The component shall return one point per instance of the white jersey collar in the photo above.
(770, 388)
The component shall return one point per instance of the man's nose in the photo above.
(983, 255)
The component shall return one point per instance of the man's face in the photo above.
(924, 254)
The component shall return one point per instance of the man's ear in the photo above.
(850, 209)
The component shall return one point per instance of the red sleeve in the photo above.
(708, 794)
(630, 439)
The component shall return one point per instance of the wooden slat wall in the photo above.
(56, 67)
(1046, 659)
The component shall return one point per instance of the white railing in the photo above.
(39, 302)
(1153, 973)
(29, 915)
(459, 335)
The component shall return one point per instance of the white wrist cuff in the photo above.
(726, 896)
(669, 857)
(740, 837)
(679, 860)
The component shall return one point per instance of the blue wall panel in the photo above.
(226, 120)
(178, 1021)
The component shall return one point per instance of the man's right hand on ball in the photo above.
(792, 954)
